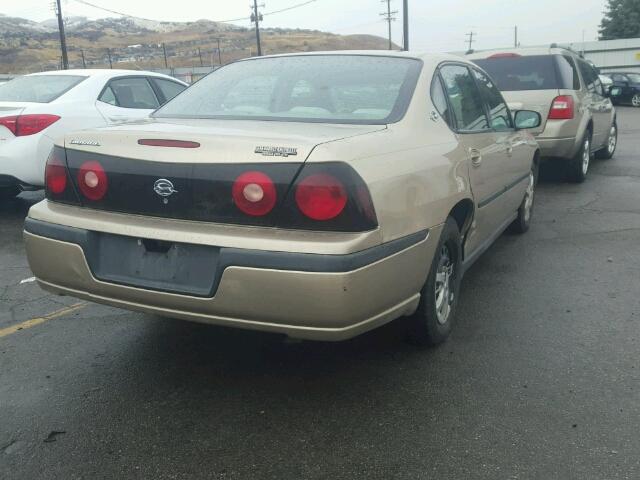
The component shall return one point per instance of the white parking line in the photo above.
(28, 280)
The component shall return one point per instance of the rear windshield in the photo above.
(312, 88)
(532, 72)
(37, 88)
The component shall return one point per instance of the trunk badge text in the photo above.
(90, 143)
(164, 188)
(276, 151)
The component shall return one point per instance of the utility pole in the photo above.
(516, 36)
(200, 55)
(109, 55)
(470, 39)
(389, 17)
(219, 54)
(63, 40)
(84, 63)
(164, 51)
(405, 24)
(256, 17)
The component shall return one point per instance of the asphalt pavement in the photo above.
(540, 379)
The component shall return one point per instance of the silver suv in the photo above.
(578, 118)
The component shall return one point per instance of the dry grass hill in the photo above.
(27, 46)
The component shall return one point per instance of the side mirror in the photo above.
(613, 92)
(527, 119)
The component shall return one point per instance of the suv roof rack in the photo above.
(563, 47)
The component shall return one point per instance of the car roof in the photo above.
(104, 72)
(522, 51)
(434, 58)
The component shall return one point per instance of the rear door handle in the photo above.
(476, 157)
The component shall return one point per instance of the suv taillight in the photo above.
(562, 108)
(23, 125)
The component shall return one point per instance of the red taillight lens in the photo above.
(55, 175)
(159, 142)
(561, 108)
(321, 196)
(92, 180)
(9, 123)
(254, 193)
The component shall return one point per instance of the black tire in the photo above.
(525, 211)
(612, 143)
(426, 325)
(578, 166)
(7, 193)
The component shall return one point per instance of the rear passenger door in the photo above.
(599, 105)
(127, 98)
(486, 157)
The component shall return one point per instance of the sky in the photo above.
(434, 26)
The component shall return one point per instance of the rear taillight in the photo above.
(321, 196)
(254, 193)
(55, 174)
(23, 125)
(92, 180)
(562, 108)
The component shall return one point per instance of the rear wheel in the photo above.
(635, 100)
(9, 192)
(432, 322)
(612, 142)
(579, 165)
(523, 221)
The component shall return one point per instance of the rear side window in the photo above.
(38, 88)
(439, 100)
(464, 98)
(568, 72)
(499, 116)
(590, 78)
(531, 72)
(130, 93)
(168, 88)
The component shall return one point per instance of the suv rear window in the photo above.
(531, 72)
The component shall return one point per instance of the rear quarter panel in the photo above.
(415, 170)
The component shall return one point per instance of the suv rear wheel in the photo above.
(431, 323)
(579, 165)
(612, 142)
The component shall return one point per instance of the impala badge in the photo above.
(164, 188)
(276, 151)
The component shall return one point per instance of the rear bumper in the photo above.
(313, 296)
(563, 148)
(24, 158)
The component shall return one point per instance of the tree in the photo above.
(621, 20)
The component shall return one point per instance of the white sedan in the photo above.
(37, 108)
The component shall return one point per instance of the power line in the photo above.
(389, 17)
(122, 14)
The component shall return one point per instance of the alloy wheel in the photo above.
(613, 140)
(528, 197)
(635, 101)
(444, 285)
(586, 156)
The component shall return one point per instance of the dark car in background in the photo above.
(629, 82)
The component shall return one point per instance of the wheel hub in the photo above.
(586, 156)
(528, 198)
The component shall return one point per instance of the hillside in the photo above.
(27, 46)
